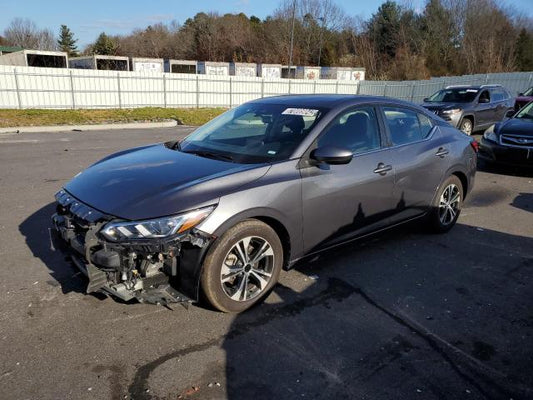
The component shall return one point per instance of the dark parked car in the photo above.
(523, 99)
(511, 141)
(255, 190)
(471, 108)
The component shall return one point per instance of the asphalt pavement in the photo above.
(403, 315)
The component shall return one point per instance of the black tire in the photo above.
(242, 280)
(440, 217)
(467, 126)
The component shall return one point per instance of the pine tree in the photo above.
(66, 41)
(524, 51)
(104, 45)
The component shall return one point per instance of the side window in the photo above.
(426, 125)
(497, 95)
(406, 126)
(506, 94)
(355, 129)
(484, 95)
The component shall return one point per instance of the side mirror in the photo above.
(520, 94)
(484, 100)
(510, 113)
(332, 155)
(425, 100)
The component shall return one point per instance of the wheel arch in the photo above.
(460, 173)
(270, 217)
(471, 117)
(282, 233)
(464, 181)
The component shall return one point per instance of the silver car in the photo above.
(219, 214)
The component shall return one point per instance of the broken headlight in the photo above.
(155, 228)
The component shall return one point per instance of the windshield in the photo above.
(526, 112)
(253, 133)
(456, 95)
(529, 92)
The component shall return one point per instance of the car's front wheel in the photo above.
(447, 206)
(466, 126)
(242, 266)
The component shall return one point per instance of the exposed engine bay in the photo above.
(159, 271)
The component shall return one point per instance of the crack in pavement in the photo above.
(336, 290)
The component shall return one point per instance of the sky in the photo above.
(88, 18)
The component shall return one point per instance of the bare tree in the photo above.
(364, 50)
(25, 33)
(397, 42)
(489, 38)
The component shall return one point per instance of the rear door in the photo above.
(499, 100)
(342, 201)
(419, 154)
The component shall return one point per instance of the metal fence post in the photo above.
(262, 87)
(412, 91)
(165, 90)
(119, 91)
(72, 90)
(197, 92)
(289, 86)
(17, 87)
(385, 90)
(314, 87)
(336, 87)
(230, 92)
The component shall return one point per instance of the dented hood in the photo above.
(155, 181)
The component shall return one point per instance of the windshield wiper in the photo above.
(209, 154)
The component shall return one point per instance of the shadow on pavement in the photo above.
(523, 201)
(35, 230)
(502, 169)
(403, 315)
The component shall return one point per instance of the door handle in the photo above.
(442, 152)
(382, 169)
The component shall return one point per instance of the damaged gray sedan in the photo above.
(221, 213)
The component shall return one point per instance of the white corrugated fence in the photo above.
(32, 87)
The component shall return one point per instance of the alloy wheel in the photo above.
(247, 268)
(449, 204)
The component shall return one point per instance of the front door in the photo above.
(342, 201)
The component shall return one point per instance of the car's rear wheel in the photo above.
(242, 266)
(447, 206)
(466, 126)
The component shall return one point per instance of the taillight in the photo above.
(475, 145)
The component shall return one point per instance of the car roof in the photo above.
(328, 100)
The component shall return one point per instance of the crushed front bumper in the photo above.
(158, 271)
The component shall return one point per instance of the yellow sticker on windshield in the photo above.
(304, 112)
